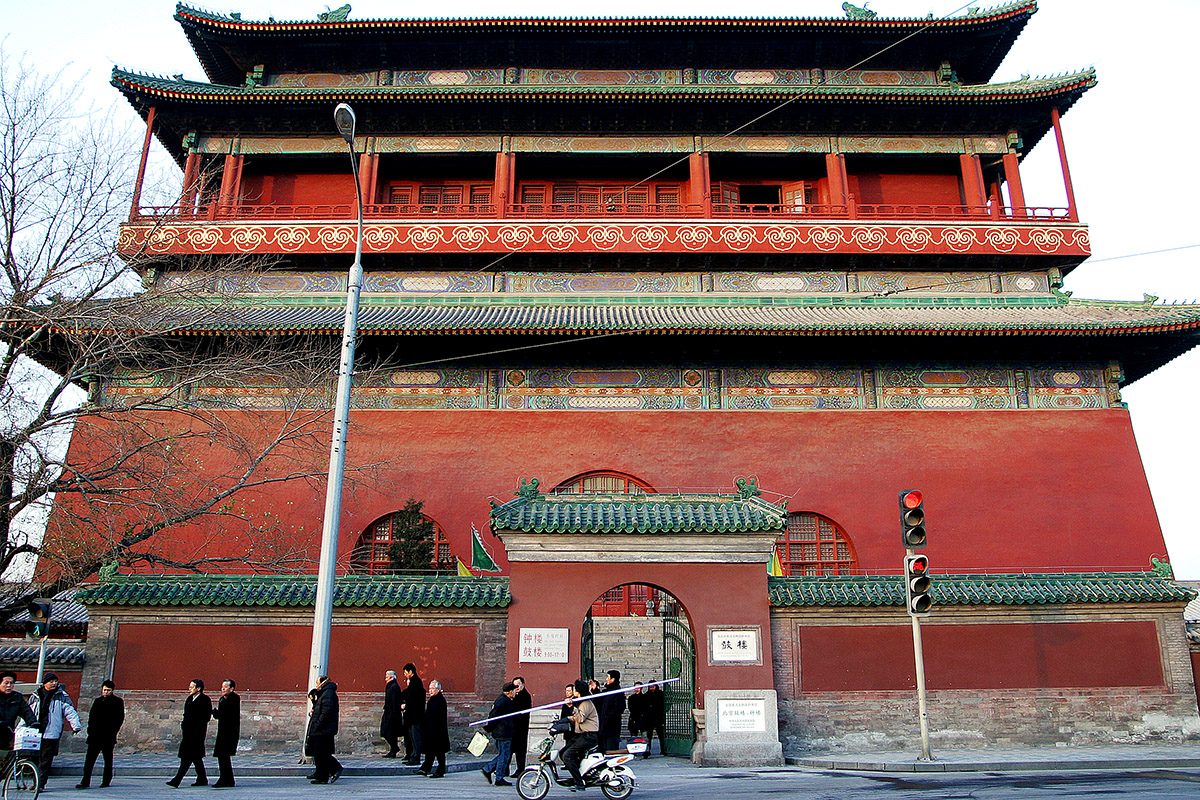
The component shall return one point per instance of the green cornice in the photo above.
(282, 591)
(982, 590)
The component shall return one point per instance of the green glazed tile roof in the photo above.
(152, 86)
(970, 590)
(298, 591)
(651, 513)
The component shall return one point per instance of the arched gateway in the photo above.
(708, 550)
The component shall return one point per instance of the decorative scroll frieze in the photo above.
(600, 77)
(323, 80)
(602, 144)
(448, 77)
(767, 144)
(626, 237)
(816, 388)
(436, 144)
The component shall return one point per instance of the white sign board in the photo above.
(741, 716)
(735, 645)
(544, 645)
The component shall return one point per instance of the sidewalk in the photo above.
(1131, 756)
(1116, 757)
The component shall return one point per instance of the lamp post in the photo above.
(343, 118)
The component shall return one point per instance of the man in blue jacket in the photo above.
(502, 730)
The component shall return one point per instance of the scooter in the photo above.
(609, 772)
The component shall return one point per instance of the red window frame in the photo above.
(813, 545)
(370, 556)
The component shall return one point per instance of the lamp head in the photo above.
(343, 118)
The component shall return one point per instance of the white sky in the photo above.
(1133, 190)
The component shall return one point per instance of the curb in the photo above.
(849, 765)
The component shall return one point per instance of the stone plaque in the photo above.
(544, 645)
(741, 716)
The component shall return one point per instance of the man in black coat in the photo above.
(656, 714)
(322, 727)
(522, 701)
(197, 711)
(637, 710)
(104, 720)
(393, 715)
(12, 708)
(609, 737)
(435, 736)
(228, 714)
(412, 703)
(502, 729)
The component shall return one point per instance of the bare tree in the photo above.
(74, 315)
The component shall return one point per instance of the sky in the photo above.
(1132, 189)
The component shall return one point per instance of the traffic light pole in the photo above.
(919, 657)
(42, 660)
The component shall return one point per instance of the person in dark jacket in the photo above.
(637, 710)
(322, 727)
(197, 711)
(104, 721)
(565, 712)
(435, 734)
(228, 715)
(391, 722)
(656, 718)
(522, 701)
(609, 737)
(502, 730)
(12, 708)
(412, 703)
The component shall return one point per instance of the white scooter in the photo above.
(609, 772)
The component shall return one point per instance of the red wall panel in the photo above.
(274, 658)
(875, 188)
(1005, 490)
(1001, 656)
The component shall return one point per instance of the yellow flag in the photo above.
(463, 572)
(775, 568)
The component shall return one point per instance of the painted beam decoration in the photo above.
(1064, 239)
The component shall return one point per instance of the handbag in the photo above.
(478, 744)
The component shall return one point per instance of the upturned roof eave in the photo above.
(213, 36)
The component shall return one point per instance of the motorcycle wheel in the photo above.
(618, 787)
(533, 784)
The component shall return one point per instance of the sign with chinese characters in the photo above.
(741, 716)
(544, 645)
(734, 645)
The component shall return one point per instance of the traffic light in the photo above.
(917, 585)
(912, 519)
(38, 624)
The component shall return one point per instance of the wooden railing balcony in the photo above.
(591, 211)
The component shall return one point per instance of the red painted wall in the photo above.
(289, 188)
(558, 596)
(874, 188)
(1005, 491)
(69, 681)
(274, 658)
(1003, 656)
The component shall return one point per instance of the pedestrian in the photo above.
(390, 722)
(322, 727)
(566, 710)
(502, 731)
(586, 723)
(104, 720)
(522, 701)
(637, 710)
(197, 710)
(655, 718)
(435, 736)
(412, 704)
(51, 705)
(228, 715)
(611, 713)
(12, 708)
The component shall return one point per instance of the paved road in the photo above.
(674, 779)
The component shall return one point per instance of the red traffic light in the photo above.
(918, 565)
(911, 499)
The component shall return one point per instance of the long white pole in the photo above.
(562, 702)
(323, 610)
(919, 657)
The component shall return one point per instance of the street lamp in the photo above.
(343, 118)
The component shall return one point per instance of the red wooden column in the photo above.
(191, 169)
(699, 185)
(141, 173)
(504, 184)
(974, 192)
(368, 177)
(1016, 194)
(835, 171)
(1072, 212)
(231, 179)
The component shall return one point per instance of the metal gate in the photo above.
(679, 661)
(587, 650)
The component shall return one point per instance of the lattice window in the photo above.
(814, 545)
(603, 482)
(370, 554)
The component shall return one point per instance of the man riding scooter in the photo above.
(586, 722)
